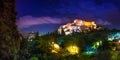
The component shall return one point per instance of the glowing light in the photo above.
(55, 48)
(67, 33)
(119, 41)
(89, 50)
(78, 22)
(113, 36)
(96, 44)
(77, 26)
(54, 51)
(60, 41)
(73, 50)
(89, 24)
(92, 49)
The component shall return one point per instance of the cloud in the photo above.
(102, 22)
(28, 21)
(104, 13)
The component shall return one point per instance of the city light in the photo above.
(73, 49)
(119, 41)
(89, 52)
(97, 44)
(113, 36)
(55, 47)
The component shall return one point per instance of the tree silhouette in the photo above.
(9, 36)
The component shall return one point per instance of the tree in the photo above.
(9, 36)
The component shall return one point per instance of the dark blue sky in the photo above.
(46, 15)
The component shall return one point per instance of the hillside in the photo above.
(84, 45)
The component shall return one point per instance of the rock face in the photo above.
(76, 26)
(9, 36)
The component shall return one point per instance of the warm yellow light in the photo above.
(73, 50)
(54, 51)
(56, 46)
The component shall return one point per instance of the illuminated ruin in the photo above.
(77, 26)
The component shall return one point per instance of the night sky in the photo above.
(47, 15)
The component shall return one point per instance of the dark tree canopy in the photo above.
(9, 36)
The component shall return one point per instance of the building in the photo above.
(31, 35)
(76, 26)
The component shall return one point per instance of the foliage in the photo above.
(13, 46)
(79, 39)
(33, 58)
(9, 36)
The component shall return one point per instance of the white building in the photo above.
(76, 26)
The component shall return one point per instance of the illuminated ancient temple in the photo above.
(77, 26)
